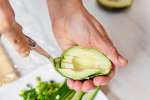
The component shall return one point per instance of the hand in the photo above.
(72, 24)
(10, 29)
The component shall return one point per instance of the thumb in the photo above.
(111, 52)
(106, 47)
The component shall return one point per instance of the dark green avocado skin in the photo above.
(57, 64)
(113, 9)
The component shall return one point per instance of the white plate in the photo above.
(10, 91)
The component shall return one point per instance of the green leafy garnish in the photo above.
(51, 90)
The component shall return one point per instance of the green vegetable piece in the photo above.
(77, 96)
(68, 95)
(42, 91)
(50, 91)
(61, 92)
(21, 93)
(82, 63)
(90, 95)
(71, 95)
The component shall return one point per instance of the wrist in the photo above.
(61, 8)
(65, 1)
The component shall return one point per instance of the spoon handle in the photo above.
(34, 46)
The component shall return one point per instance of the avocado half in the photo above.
(82, 63)
(115, 4)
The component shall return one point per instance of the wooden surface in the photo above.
(7, 71)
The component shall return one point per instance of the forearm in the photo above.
(11, 29)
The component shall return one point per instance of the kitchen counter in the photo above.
(129, 31)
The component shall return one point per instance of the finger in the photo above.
(110, 51)
(100, 80)
(112, 54)
(123, 61)
(112, 73)
(77, 85)
(103, 80)
(87, 85)
(70, 83)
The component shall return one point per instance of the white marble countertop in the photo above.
(129, 31)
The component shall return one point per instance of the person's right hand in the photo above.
(10, 29)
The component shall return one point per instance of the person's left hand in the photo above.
(72, 25)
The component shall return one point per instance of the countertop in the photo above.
(129, 31)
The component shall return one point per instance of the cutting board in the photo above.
(7, 71)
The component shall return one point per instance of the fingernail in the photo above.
(122, 61)
(98, 81)
(77, 86)
(87, 85)
(70, 83)
(25, 54)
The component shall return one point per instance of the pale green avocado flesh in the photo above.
(115, 3)
(82, 63)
